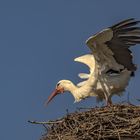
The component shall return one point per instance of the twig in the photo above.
(45, 126)
(67, 111)
(122, 119)
(128, 99)
(49, 122)
(99, 135)
(116, 129)
(83, 108)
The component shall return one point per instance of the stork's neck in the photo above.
(79, 92)
(74, 90)
(71, 88)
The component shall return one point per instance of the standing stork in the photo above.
(110, 55)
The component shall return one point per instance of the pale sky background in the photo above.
(38, 42)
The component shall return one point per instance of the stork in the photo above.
(110, 54)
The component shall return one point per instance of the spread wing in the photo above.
(111, 46)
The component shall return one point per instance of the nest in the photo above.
(116, 122)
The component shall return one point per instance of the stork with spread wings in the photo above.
(110, 63)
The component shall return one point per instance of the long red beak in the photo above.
(54, 93)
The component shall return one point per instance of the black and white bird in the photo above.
(110, 63)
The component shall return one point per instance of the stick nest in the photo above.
(115, 122)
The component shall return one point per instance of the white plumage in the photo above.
(110, 64)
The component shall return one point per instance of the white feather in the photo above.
(81, 83)
(83, 75)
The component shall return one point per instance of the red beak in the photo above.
(54, 93)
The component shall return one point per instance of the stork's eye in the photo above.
(57, 84)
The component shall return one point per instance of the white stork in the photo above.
(110, 54)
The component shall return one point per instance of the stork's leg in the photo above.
(107, 99)
(109, 102)
(106, 90)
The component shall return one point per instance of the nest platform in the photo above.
(117, 122)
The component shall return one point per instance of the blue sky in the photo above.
(38, 42)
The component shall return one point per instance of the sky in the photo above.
(38, 42)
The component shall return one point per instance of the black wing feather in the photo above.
(125, 34)
(122, 23)
(129, 24)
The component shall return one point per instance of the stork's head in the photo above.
(61, 87)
